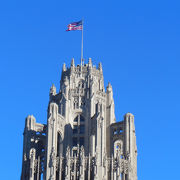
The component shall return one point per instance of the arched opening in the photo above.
(76, 119)
(118, 148)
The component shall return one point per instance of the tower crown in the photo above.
(76, 73)
(81, 139)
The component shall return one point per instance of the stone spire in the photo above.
(72, 62)
(90, 62)
(109, 87)
(100, 67)
(64, 67)
(53, 90)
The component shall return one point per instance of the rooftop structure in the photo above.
(81, 140)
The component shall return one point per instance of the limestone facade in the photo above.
(81, 140)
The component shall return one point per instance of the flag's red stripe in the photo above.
(71, 28)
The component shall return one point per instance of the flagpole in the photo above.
(82, 45)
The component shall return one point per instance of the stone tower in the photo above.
(81, 140)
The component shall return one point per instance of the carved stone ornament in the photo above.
(32, 153)
(67, 152)
(35, 165)
(25, 157)
(52, 158)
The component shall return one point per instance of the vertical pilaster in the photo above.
(60, 166)
(67, 168)
(130, 146)
(32, 163)
(110, 118)
(51, 142)
(29, 131)
(82, 164)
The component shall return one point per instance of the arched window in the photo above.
(76, 119)
(81, 84)
(79, 119)
(118, 147)
(76, 103)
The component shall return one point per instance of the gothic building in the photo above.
(81, 140)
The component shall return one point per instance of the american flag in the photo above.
(75, 26)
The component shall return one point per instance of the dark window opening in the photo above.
(81, 141)
(75, 129)
(74, 153)
(76, 119)
(82, 129)
(74, 141)
(82, 119)
(96, 108)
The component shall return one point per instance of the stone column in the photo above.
(105, 167)
(51, 142)
(112, 168)
(118, 174)
(82, 164)
(60, 166)
(38, 168)
(89, 167)
(119, 164)
(130, 146)
(92, 145)
(75, 173)
(67, 167)
(32, 163)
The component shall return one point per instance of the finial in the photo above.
(129, 114)
(100, 67)
(109, 87)
(64, 67)
(90, 62)
(53, 90)
(72, 62)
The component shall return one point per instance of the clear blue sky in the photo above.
(138, 43)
